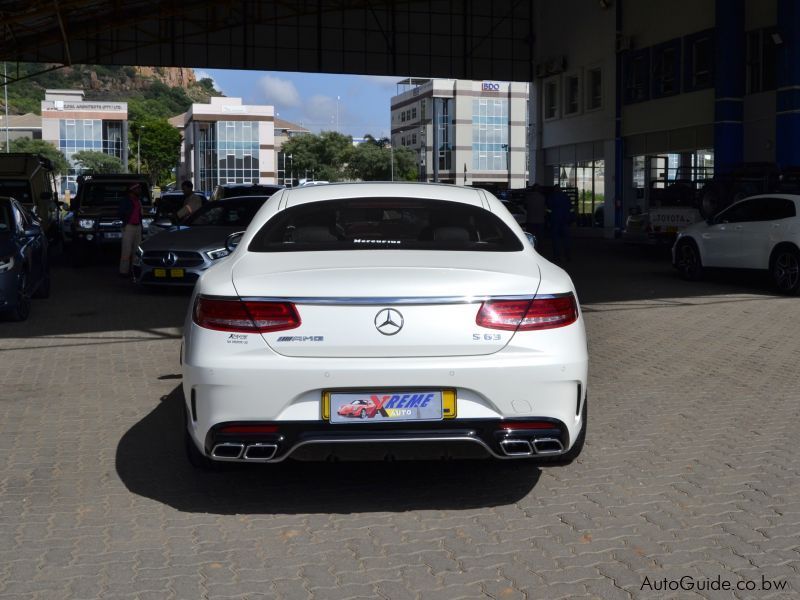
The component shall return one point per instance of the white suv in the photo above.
(760, 232)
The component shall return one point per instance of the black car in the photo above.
(95, 221)
(24, 272)
(233, 190)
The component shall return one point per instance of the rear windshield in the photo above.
(108, 193)
(385, 224)
(18, 189)
(227, 213)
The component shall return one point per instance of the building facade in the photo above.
(226, 141)
(73, 124)
(15, 127)
(635, 96)
(464, 132)
(284, 131)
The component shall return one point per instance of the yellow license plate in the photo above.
(176, 272)
(160, 272)
(448, 404)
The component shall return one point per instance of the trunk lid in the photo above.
(386, 303)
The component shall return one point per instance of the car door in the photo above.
(32, 245)
(721, 238)
(759, 238)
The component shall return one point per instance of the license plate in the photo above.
(176, 273)
(401, 405)
(160, 272)
(113, 235)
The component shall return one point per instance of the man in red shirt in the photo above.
(130, 211)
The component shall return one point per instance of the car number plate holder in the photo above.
(383, 406)
(113, 235)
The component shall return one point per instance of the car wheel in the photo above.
(363, 414)
(688, 262)
(786, 271)
(574, 452)
(196, 458)
(23, 308)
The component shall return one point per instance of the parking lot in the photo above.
(690, 468)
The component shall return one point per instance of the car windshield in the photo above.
(19, 189)
(227, 213)
(249, 190)
(6, 220)
(108, 193)
(385, 224)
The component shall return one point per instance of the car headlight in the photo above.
(6, 263)
(146, 223)
(86, 223)
(218, 253)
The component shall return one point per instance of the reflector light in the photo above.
(525, 315)
(233, 314)
(249, 429)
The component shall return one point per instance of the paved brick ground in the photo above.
(691, 466)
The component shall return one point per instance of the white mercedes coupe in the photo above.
(383, 321)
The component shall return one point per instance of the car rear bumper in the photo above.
(242, 381)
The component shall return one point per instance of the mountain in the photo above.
(155, 91)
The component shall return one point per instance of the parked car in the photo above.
(179, 255)
(166, 207)
(24, 271)
(762, 232)
(417, 298)
(236, 190)
(29, 179)
(95, 221)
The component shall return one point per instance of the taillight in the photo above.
(251, 316)
(526, 315)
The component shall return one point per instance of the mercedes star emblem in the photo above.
(388, 321)
(170, 259)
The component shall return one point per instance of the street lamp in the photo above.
(138, 150)
(291, 171)
(337, 112)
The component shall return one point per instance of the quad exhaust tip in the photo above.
(538, 447)
(516, 447)
(548, 446)
(260, 452)
(227, 451)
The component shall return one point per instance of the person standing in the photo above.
(535, 205)
(130, 211)
(560, 217)
(191, 201)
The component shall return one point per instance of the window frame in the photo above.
(588, 88)
(690, 43)
(552, 83)
(574, 76)
(658, 76)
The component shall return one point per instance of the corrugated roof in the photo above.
(26, 121)
(288, 125)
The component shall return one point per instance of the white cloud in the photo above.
(280, 92)
(321, 109)
(200, 74)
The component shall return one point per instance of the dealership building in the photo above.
(464, 132)
(225, 141)
(73, 124)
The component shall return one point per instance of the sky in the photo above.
(310, 99)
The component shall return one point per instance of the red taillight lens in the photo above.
(528, 425)
(524, 315)
(232, 314)
(249, 429)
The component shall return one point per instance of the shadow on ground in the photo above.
(151, 462)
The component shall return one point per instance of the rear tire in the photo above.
(196, 458)
(785, 270)
(574, 452)
(688, 261)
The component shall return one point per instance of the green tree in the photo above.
(324, 156)
(372, 161)
(97, 162)
(159, 144)
(46, 149)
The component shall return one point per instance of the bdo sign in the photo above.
(490, 86)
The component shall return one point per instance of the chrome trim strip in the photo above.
(384, 301)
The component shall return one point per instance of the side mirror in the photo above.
(531, 239)
(233, 240)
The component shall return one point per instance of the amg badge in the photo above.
(301, 338)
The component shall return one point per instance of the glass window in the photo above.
(551, 99)
(228, 213)
(745, 211)
(637, 76)
(594, 88)
(490, 134)
(385, 224)
(666, 69)
(702, 55)
(571, 94)
(779, 208)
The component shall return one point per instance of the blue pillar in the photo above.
(787, 116)
(729, 80)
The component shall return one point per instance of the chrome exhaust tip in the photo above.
(227, 451)
(260, 452)
(547, 446)
(516, 447)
